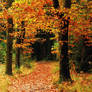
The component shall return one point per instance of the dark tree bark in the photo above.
(64, 61)
(23, 31)
(18, 51)
(9, 47)
(20, 39)
(63, 36)
(56, 4)
(67, 4)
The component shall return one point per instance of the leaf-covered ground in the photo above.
(43, 78)
(40, 80)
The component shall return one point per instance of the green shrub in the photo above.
(2, 52)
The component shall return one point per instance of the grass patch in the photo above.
(3, 79)
(55, 67)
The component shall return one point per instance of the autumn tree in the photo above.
(20, 39)
(9, 30)
(63, 38)
(9, 47)
(80, 26)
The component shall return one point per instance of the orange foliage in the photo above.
(37, 16)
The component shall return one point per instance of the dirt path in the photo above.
(38, 81)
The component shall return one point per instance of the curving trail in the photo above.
(38, 81)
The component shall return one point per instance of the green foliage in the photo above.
(2, 52)
(26, 68)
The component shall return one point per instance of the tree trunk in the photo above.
(18, 57)
(18, 49)
(23, 31)
(64, 61)
(9, 47)
(63, 37)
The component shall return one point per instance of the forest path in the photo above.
(40, 80)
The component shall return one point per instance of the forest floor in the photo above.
(43, 78)
(40, 80)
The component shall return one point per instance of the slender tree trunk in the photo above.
(19, 41)
(23, 37)
(18, 51)
(63, 37)
(82, 62)
(23, 31)
(18, 57)
(9, 47)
